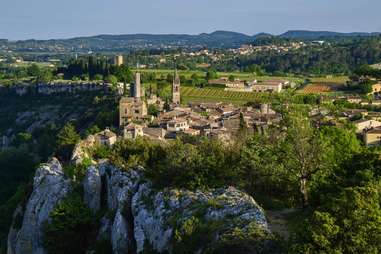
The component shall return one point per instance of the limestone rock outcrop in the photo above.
(137, 216)
(50, 186)
(92, 187)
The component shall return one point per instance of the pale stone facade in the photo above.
(132, 108)
(176, 89)
(118, 60)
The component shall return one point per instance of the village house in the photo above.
(376, 88)
(177, 124)
(268, 86)
(372, 137)
(132, 131)
(366, 124)
(154, 133)
(106, 137)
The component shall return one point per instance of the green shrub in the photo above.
(72, 228)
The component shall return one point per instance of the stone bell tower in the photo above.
(176, 89)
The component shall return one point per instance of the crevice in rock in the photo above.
(103, 203)
(127, 213)
(130, 226)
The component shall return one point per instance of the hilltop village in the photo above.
(218, 120)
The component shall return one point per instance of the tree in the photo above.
(169, 78)
(303, 152)
(98, 77)
(153, 110)
(72, 227)
(33, 70)
(348, 223)
(211, 74)
(365, 87)
(231, 78)
(67, 138)
(166, 106)
(44, 76)
(124, 74)
(112, 79)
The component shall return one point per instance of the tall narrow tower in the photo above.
(118, 60)
(137, 87)
(176, 89)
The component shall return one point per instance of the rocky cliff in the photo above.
(142, 217)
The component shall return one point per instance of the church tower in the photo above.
(176, 89)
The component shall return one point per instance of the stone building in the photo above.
(176, 89)
(373, 137)
(106, 137)
(132, 108)
(118, 60)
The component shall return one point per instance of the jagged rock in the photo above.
(12, 235)
(120, 184)
(138, 215)
(119, 234)
(49, 187)
(152, 211)
(104, 229)
(92, 187)
(80, 151)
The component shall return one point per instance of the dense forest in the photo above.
(335, 58)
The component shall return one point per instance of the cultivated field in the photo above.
(193, 94)
(325, 85)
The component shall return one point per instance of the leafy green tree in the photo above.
(231, 78)
(365, 88)
(44, 76)
(33, 70)
(72, 228)
(348, 223)
(169, 78)
(303, 152)
(67, 138)
(98, 77)
(124, 74)
(211, 74)
(153, 110)
(112, 79)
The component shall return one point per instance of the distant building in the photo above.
(176, 89)
(118, 60)
(268, 86)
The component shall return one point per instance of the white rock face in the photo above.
(92, 187)
(121, 186)
(137, 214)
(49, 187)
(119, 234)
(152, 212)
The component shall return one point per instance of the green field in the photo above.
(193, 94)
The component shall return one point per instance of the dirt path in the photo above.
(278, 221)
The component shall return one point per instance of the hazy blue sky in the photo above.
(42, 19)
